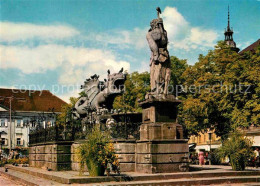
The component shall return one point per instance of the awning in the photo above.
(206, 147)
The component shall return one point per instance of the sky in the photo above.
(56, 44)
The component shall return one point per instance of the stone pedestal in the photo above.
(161, 147)
(54, 156)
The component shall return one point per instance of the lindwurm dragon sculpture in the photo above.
(99, 94)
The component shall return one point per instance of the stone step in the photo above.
(26, 179)
(70, 177)
(240, 180)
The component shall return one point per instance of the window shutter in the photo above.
(6, 124)
(6, 141)
(21, 142)
(15, 123)
(21, 123)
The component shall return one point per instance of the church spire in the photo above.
(228, 27)
(229, 35)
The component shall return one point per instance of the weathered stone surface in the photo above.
(76, 167)
(32, 150)
(40, 157)
(74, 158)
(158, 168)
(160, 110)
(32, 157)
(127, 158)
(149, 115)
(127, 167)
(48, 157)
(74, 148)
(48, 149)
(157, 131)
(125, 148)
(159, 158)
(172, 147)
(39, 164)
(32, 163)
(159, 61)
(40, 149)
(169, 131)
(99, 95)
(48, 165)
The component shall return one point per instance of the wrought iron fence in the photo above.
(126, 126)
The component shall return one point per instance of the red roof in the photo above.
(251, 47)
(35, 100)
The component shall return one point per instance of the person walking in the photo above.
(256, 153)
(201, 158)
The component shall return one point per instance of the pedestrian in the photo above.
(201, 158)
(11, 155)
(209, 158)
(256, 157)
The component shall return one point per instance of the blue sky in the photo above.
(55, 45)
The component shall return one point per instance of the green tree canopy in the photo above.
(138, 84)
(222, 91)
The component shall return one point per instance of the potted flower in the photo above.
(97, 152)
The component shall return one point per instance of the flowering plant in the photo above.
(98, 151)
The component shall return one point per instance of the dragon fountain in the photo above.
(98, 96)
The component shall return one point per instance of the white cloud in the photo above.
(182, 35)
(124, 38)
(76, 62)
(175, 24)
(10, 32)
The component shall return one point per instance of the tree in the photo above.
(238, 149)
(178, 66)
(136, 86)
(66, 112)
(222, 92)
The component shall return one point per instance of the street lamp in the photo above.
(11, 98)
(1, 145)
(210, 136)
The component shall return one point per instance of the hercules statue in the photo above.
(160, 63)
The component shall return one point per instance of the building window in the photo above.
(33, 124)
(26, 122)
(18, 141)
(3, 141)
(2, 124)
(19, 123)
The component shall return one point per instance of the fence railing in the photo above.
(124, 129)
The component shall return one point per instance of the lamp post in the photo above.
(1, 145)
(210, 136)
(11, 98)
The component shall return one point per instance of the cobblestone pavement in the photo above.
(5, 181)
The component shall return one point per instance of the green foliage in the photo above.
(178, 66)
(217, 101)
(136, 86)
(66, 113)
(215, 160)
(238, 148)
(97, 151)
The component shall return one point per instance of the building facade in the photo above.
(27, 110)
